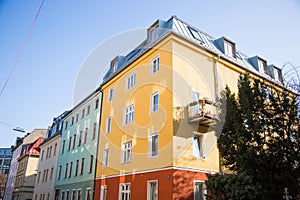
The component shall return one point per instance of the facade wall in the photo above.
(138, 184)
(12, 173)
(75, 152)
(14, 162)
(45, 177)
(145, 121)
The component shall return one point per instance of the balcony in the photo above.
(203, 112)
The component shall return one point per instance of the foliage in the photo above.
(258, 142)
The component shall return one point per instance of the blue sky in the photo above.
(42, 84)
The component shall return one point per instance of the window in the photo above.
(67, 194)
(129, 114)
(80, 138)
(153, 33)
(88, 110)
(262, 65)
(82, 166)
(62, 195)
(74, 141)
(66, 170)
(195, 109)
(77, 116)
(124, 191)
(198, 145)
(105, 158)
(76, 168)
(111, 94)
(42, 157)
(195, 34)
(277, 74)
(126, 152)
(59, 172)
(48, 196)
(152, 190)
(63, 146)
(154, 102)
(72, 122)
(85, 135)
(94, 131)
(66, 124)
(88, 194)
(130, 81)
(229, 48)
(50, 150)
(103, 192)
(153, 145)
(51, 173)
(83, 111)
(96, 103)
(108, 124)
(79, 194)
(91, 163)
(70, 141)
(47, 172)
(39, 176)
(55, 147)
(155, 65)
(47, 154)
(70, 172)
(199, 190)
(74, 195)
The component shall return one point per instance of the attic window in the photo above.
(229, 48)
(195, 34)
(114, 64)
(262, 65)
(277, 74)
(153, 33)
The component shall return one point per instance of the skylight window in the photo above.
(195, 34)
(229, 48)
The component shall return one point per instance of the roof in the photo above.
(179, 27)
(32, 148)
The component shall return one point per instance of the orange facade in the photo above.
(173, 184)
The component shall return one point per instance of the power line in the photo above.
(22, 48)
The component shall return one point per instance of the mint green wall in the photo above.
(78, 152)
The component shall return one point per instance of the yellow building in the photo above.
(157, 138)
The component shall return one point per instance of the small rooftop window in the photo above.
(278, 75)
(114, 64)
(262, 65)
(229, 48)
(195, 34)
(153, 33)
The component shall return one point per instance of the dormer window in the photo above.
(277, 74)
(153, 33)
(262, 65)
(229, 48)
(195, 34)
(114, 65)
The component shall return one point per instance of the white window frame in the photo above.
(150, 145)
(108, 124)
(229, 48)
(154, 107)
(79, 189)
(74, 190)
(86, 193)
(204, 190)
(155, 64)
(111, 93)
(153, 33)
(67, 196)
(262, 65)
(126, 153)
(198, 145)
(130, 81)
(105, 158)
(126, 192)
(149, 194)
(129, 114)
(103, 193)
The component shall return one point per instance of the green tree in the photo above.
(258, 142)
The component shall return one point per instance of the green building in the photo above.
(75, 171)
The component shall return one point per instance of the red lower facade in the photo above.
(171, 184)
